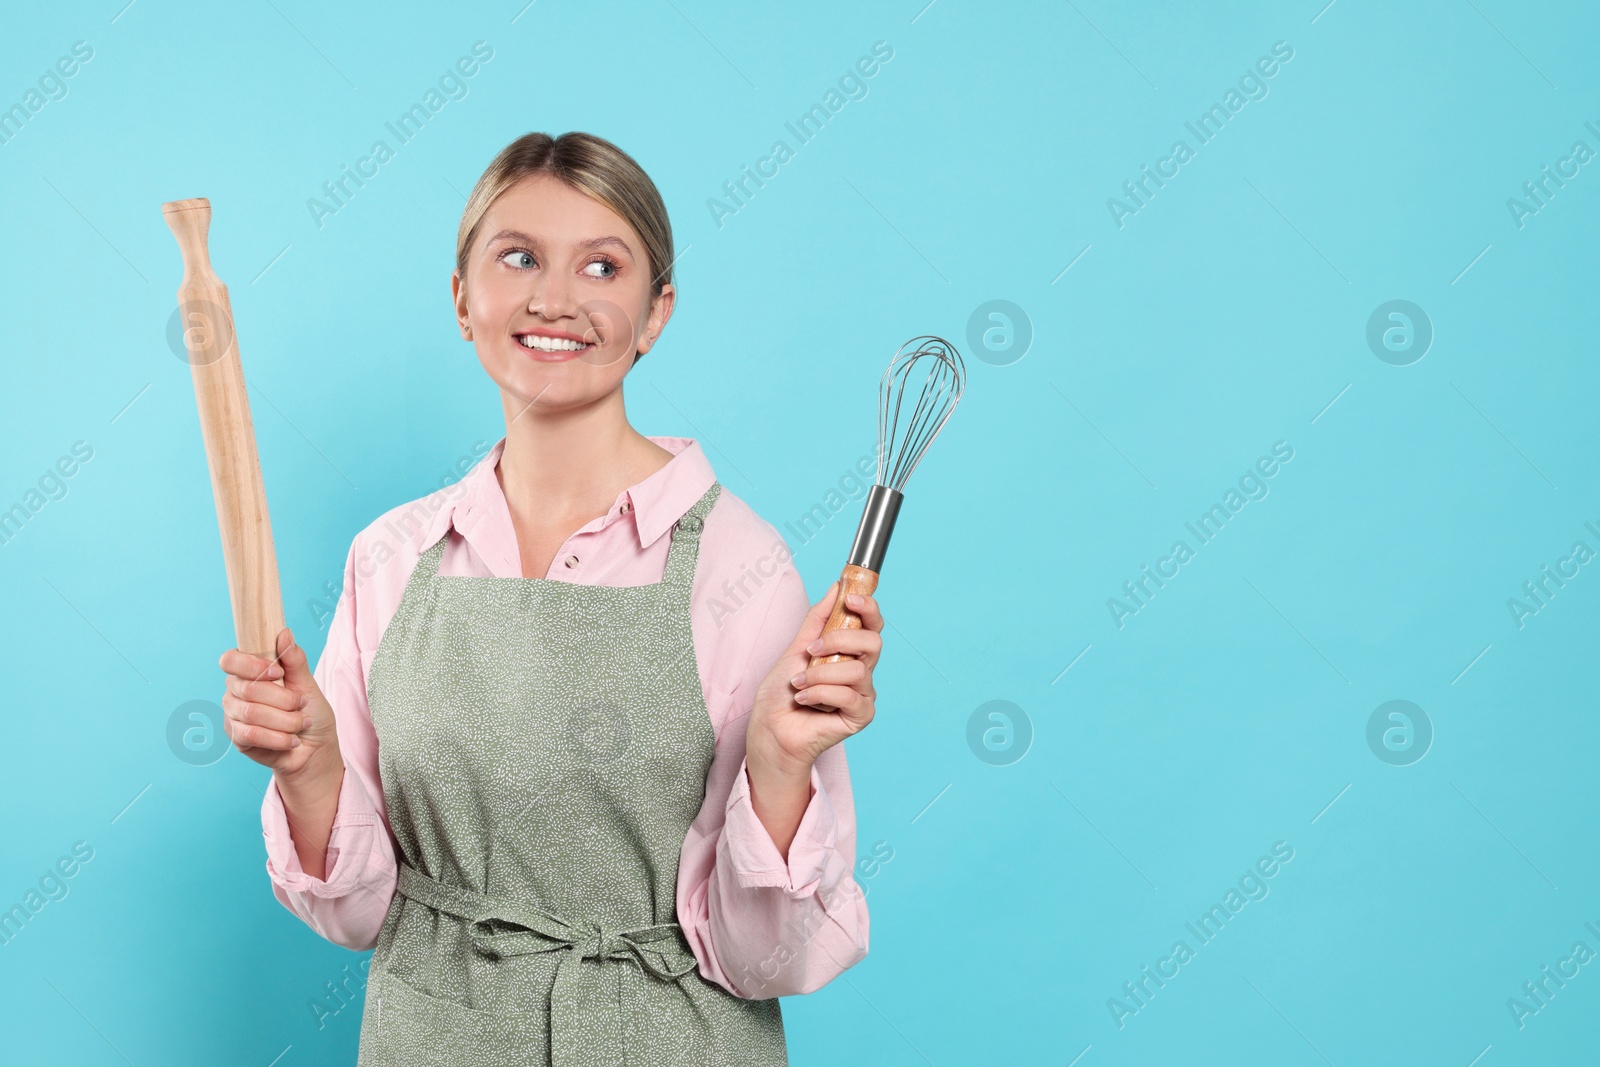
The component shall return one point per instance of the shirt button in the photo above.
(572, 561)
(626, 507)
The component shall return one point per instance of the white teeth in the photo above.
(550, 344)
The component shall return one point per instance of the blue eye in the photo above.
(506, 257)
(609, 264)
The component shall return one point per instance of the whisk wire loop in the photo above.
(944, 380)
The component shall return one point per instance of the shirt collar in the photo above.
(656, 502)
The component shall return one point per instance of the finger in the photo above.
(847, 701)
(867, 644)
(269, 693)
(817, 617)
(866, 607)
(244, 735)
(850, 672)
(811, 625)
(296, 668)
(244, 665)
(246, 713)
(261, 737)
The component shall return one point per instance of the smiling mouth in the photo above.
(557, 346)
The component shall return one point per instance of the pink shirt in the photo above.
(759, 926)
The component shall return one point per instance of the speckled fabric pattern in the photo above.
(543, 747)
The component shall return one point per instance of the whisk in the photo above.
(943, 377)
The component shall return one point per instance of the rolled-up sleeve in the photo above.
(763, 925)
(348, 905)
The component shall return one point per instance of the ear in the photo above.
(660, 311)
(458, 297)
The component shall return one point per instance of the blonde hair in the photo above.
(589, 164)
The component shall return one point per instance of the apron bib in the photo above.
(543, 748)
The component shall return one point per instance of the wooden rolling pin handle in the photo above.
(190, 223)
(854, 579)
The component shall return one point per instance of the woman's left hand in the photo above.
(801, 711)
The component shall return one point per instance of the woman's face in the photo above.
(557, 296)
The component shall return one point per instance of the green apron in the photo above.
(543, 747)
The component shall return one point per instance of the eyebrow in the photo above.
(583, 246)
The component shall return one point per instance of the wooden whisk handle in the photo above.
(854, 579)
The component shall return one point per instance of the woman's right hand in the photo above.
(282, 726)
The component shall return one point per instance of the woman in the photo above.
(563, 763)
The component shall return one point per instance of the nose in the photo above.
(552, 297)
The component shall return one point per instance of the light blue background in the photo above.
(1228, 314)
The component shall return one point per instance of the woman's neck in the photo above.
(561, 468)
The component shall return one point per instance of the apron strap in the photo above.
(684, 550)
(428, 562)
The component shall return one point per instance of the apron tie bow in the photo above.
(507, 928)
(602, 943)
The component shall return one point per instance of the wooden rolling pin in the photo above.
(219, 392)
